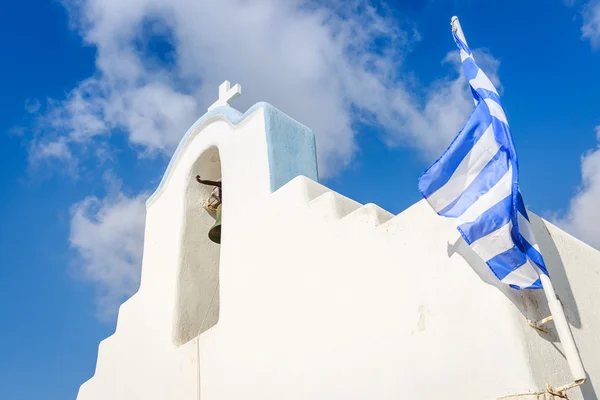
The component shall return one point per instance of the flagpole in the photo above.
(556, 310)
(564, 334)
(458, 29)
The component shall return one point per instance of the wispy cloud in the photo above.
(159, 64)
(590, 29)
(582, 219)
(107, 235)
(58, 149)
(32, 105)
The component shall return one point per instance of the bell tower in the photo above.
(224, 167)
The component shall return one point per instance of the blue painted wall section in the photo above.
(291, 146)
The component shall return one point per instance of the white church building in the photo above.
(311, 295)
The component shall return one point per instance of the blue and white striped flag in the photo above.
(476, 182)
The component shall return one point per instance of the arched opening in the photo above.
(198, 280)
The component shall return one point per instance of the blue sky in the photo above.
(96, 95)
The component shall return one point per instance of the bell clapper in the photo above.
(213, 201)
(214, 205)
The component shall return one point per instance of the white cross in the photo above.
(226, 94)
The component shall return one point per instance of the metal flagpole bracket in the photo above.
(560, 391)
(539, 325)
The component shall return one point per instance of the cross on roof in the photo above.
(226, 94)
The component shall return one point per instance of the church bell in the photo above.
(214, 204)
(214, 233)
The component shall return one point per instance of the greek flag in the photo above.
(476, 182)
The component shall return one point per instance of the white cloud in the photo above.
(327, 67)
(449, 103)
(591, 23)
(51, 149)
(583, 216)
(107, 234)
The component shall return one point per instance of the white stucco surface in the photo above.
(312, 295)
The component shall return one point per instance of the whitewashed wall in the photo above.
(314, 296)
